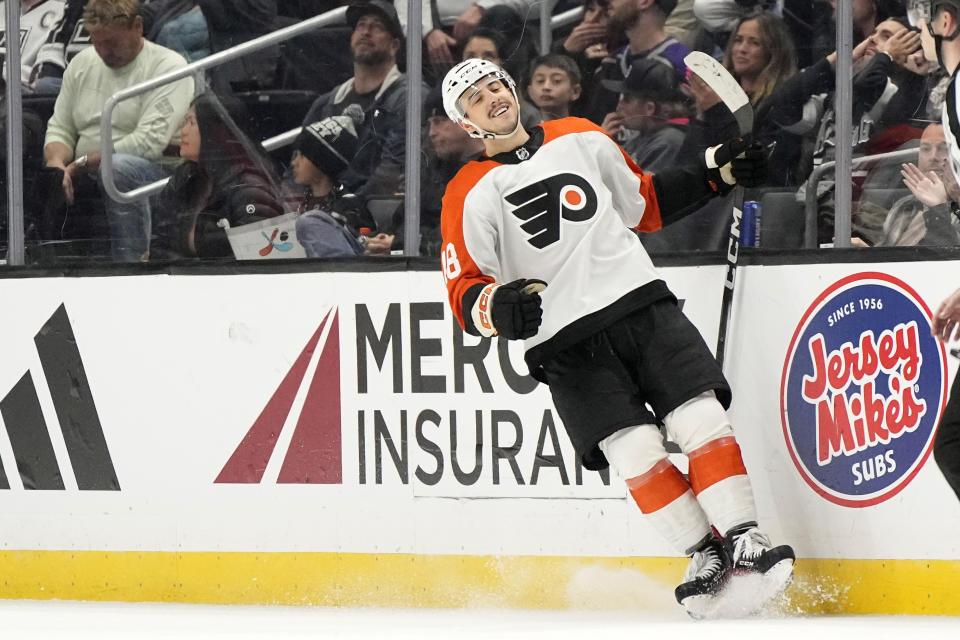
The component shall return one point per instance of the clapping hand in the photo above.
(927, 187)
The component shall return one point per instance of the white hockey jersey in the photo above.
(35, 25)
(562, 214)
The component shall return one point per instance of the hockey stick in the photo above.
(732, 95)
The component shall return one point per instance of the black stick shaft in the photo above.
(733, 253)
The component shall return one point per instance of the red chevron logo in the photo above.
(315, 455)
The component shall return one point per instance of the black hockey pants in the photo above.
(946, 448)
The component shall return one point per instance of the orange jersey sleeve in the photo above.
(651, 220)
(459, 266)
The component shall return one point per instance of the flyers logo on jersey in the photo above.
(543, 204)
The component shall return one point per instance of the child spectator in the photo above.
(554, 85)
(322, 152)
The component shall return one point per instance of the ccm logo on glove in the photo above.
(512, 311)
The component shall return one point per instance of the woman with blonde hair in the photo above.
(760, 54)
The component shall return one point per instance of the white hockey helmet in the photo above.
(465, 75)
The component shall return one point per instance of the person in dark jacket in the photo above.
(376, 96)
(226, 180)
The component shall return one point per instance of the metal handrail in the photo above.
(810, 203)
(192, 69)
(560, 20)
(270, 144)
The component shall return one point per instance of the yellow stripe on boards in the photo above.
(452, 581)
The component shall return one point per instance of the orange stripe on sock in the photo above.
(715, 461)
(658, 487)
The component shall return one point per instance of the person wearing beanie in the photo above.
(329, 225)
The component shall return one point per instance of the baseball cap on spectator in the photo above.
(329, 144)
(651, 78)
(381, 8)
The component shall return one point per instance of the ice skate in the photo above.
(706, 576)
(760, 573)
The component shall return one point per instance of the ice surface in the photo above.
(105, 621)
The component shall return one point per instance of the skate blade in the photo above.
(744, 594)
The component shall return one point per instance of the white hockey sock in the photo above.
(717, 474)
(658, 487)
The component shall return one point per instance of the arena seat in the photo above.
(782, 222)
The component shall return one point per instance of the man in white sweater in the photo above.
(143, 126)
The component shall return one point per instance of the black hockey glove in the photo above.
(736, 162)
(511, 310)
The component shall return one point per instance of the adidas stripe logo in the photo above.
(77, 414)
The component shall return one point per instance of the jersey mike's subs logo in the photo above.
(542, 205)
(862, 391)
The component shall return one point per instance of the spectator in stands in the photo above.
(761, 56)
(223, 176)
(143, 128)
(37, 19)
(889, 89)
(178, 25)
(642, 21)
(327, 227)
(554, 85)
(925, 217)
(651, 118)
(65, 40)
(376, 96)
(588, 44)
(485, 44)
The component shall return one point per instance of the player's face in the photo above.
(550, 87)
(490, 105)
(749, 55)
(933, 151)
(304, 171)
(190, 137)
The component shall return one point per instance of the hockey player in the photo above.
(939, 24)
(555, 205)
